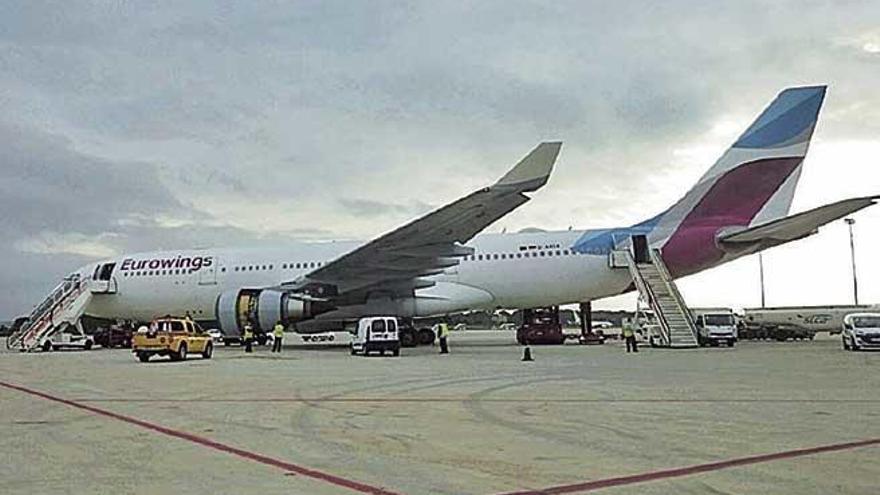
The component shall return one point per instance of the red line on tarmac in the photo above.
(205, 442)
(490, 400)
(588, 486)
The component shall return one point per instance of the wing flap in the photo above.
(798, 225)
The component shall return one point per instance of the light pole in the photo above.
(761, 267)
(852, 250)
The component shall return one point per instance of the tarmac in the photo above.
(764, 417)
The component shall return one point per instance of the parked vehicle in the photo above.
(216, 335)
(540, 326)
(861, 331)
(113, 336)
(174, 337)
(376, 334)
(70, 337)
(716, 326)
(796, 322)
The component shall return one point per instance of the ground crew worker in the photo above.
(630, 336)
(278, 334)
(443, 334)
(248, 337)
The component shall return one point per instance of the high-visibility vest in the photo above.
(443, 330)
(248, 334)
(278, 330)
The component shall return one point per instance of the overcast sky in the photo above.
(128, 126)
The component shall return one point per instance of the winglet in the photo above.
(533, 171)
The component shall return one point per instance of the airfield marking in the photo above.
(205, 442)
(586, 486)
(490, 400)
(632, 479)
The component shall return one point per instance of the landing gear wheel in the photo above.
(426, 336)
(407, 338)
(143, 357)
(208, 352)
(88, 345)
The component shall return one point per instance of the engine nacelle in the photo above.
(262, 308)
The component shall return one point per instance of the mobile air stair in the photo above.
(675, 327)
(63, 307)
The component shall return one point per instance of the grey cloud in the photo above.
(47, 185)
(373, 208)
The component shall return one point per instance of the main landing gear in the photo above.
(410, 336)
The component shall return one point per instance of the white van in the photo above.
(861, 331)
(376, 334)
(716, 326)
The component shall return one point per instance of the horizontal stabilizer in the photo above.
(799, 225)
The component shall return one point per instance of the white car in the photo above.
(69, 338)
(861, 331)
(216, 335)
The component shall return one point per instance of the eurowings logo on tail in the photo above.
(753, 182)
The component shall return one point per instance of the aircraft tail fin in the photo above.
(752, 183)
(755, 179)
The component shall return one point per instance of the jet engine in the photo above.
(262, 308)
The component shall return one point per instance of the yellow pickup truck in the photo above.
(174, 337)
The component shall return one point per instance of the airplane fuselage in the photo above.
(506, 270)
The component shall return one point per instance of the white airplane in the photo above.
(438, 264)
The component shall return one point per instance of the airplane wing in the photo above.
(398, 261)
(799, 225)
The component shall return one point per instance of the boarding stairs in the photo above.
(64, 306)
(675, 327)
